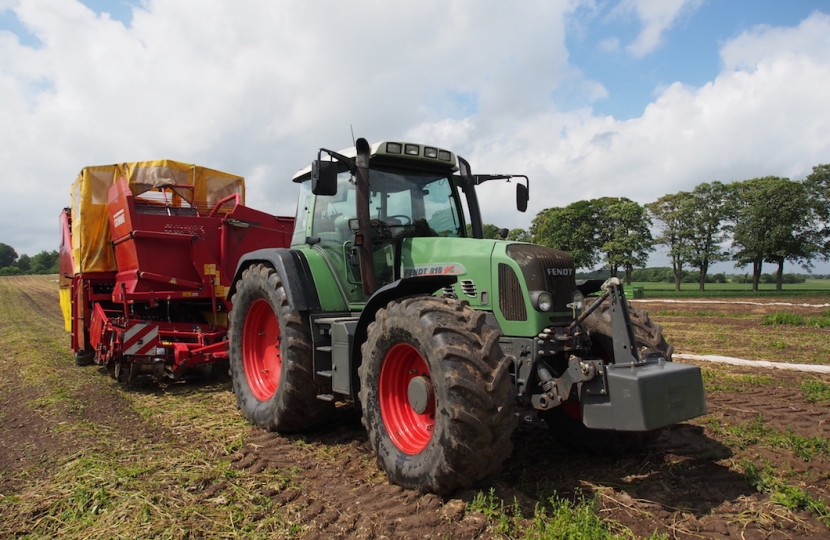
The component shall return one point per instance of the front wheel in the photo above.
(436, 394)
(271, 356)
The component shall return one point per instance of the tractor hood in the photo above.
(499, 276)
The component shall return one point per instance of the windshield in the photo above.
(400, 205)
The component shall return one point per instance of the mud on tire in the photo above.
(441, 355)
(565, 422)
(271, 356)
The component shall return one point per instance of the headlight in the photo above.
(542, 300)
(577, 303)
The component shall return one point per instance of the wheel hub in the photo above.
(420, 394)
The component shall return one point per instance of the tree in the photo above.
(776, 221)
(673, 214)
(519, 235)
(24, 263)
(490, 231)
(572, 229)
(708, 217)
(614, 231)
(45, 262)
(624, 233)
(817, 184)
(7, 255)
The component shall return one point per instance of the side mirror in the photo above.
(324, 177)
(522, 197)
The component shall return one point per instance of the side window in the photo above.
(440, 208)
(303, 200)
(331, 214)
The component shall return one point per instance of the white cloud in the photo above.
(656, 16)
(809, 39)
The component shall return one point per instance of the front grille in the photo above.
(511, 299)
(546, 269)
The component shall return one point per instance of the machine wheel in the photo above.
(436, 394)
(123, 371)
(565, 422)
(271, 356)
(85, 357)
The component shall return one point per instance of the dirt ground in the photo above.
(689, 483)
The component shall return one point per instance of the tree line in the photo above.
(45, 262)
(751, 222)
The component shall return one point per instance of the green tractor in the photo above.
(442, 339)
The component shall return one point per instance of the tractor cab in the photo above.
(413, 191)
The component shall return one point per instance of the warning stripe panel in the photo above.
(140, 338)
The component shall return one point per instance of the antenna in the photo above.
(353, 141)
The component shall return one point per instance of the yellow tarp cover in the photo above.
(91, 246)
(66, 307)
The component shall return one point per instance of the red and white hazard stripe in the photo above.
(140, 338)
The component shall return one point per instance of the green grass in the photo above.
(106, 484)
(815, 391)
(128, 493)
(555, 518)
(765, 480)
(795, 319)
(757, 432)
(719, 380)
(816, 287)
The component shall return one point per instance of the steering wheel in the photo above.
(380, 229)
(404, 219)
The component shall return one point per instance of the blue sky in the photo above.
(688, 51)
(590, 98)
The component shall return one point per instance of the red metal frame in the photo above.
(166, 300)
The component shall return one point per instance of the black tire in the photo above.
(266, 333)
(446, 351)
(647, 333)
(564, 422)
(85, 357)
(123, 371)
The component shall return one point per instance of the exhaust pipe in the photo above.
(364, 230)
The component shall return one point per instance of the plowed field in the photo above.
(82, 457)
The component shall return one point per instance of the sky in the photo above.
(589, 98)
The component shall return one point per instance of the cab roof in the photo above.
(419, 156)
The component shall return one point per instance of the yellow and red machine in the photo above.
(148, 251)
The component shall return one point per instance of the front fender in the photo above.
(402, 288)
(292, 267)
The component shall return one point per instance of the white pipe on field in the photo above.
(673, 301)
(811, 368)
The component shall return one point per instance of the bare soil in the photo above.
(689, 483)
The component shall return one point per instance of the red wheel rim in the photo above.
(572, 409)
(410, 432)
(261, 350)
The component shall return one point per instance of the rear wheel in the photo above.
(436, 394)
(565, 422)
(271, 356)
